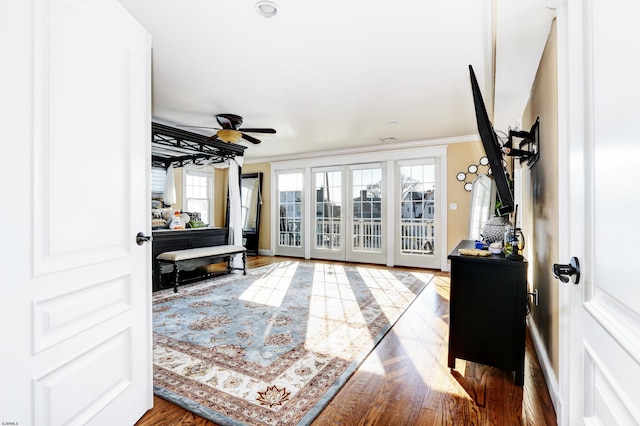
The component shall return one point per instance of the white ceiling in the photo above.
(334, 74)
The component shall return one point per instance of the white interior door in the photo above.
(75, 308)
(601, 157)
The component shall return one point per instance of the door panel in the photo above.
(328, 239)
(417, 233)
(603, 153)
(79, 285)
(289, 193)
(366, 221)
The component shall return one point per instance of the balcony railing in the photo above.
(367, 235)
(417, 236)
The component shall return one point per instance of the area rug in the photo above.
(273, 347)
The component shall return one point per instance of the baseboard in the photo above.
(262, 252)
(545, 365)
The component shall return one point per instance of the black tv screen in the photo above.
(492, 149)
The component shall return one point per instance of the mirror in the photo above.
(251, 196)
(483, 203)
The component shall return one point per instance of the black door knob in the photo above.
(141, 238)
(568, 272)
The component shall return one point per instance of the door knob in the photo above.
(566, 272)
(141, 238)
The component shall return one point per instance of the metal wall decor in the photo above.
(474, 170)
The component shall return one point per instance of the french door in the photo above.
(289, 193)
(389, 210)
(348, 220)
(366, 219)
(328, 214)
(417, 236)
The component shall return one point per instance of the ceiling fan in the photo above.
(231, 131)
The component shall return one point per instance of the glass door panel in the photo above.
(417, 234)
(290, 235)
(328, 221)
(366, 242)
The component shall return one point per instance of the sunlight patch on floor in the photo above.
(271, 288)
(373, 365)
(335, 321)
(391, 295)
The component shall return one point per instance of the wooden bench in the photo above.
(203, 256)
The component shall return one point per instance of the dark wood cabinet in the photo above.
(488, 308)
(171, 239)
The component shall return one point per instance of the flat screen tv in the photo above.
(492, 149)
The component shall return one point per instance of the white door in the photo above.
(75, 304)
(417, 213)
(328, 240)
(289, 192)
(600, 152)
(366, 220)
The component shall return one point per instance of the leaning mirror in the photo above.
(483, 203)
(251, 194)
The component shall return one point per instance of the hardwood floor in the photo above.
(405, 380)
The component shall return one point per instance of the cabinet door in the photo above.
(487, 312)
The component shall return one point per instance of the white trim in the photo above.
(545, 365)
(372, 157)
(365, 165)
(306, 212)
(354, 156)
(564, 295)
(391, 215)
(444, 235)
(427, 161)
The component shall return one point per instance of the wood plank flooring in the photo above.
(406, 381)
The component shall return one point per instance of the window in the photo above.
(158, 177)
(198, 194)
(290, 209)
(417, 207)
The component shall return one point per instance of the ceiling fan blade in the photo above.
(256, 130)
(251, 139)
(229, 121)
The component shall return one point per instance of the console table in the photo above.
(487, 310)
(165, 240)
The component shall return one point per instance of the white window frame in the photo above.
(187, 171)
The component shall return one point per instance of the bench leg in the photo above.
(244, 263)
(175, 285)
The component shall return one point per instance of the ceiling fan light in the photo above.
(267, 9)
(229, 135)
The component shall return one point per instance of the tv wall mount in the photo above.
(528, 149)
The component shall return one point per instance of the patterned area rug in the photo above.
(273, 347)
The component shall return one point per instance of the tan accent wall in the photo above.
(459, 157)
(540, 201)
(220, 182)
